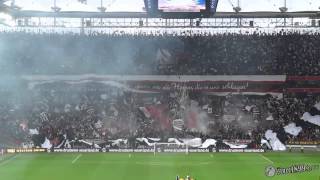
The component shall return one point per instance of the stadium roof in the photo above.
(138, 5)
(135, 9)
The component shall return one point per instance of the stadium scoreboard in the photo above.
(181, 8)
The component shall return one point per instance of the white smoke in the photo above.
(190, 110)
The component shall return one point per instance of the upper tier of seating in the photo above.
(212, 54)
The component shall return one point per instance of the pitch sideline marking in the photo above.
(265, 158)
(9, 160)
(76, 159)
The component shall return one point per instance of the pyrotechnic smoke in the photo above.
(194, 116)
(244, 119)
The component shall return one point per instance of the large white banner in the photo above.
(275, 143)
(292, 129)
(311, 119)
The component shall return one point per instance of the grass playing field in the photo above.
(146, 166)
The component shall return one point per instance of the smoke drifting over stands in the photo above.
(208, 54)
(94, 111)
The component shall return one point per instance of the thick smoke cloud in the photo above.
(46, 54)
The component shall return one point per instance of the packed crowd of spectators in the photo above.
(113, 114)
(109, 112)
(207, 54)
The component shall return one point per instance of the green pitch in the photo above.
(146, 166)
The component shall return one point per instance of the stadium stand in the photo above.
(282, 53)
(58, 111)
(159, 89)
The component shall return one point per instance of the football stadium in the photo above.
(160, 89)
